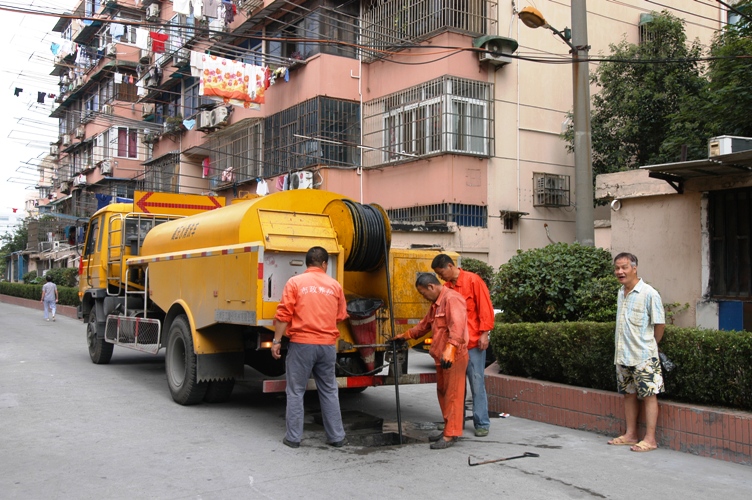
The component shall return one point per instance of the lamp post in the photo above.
(583, 155)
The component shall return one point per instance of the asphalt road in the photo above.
(70, 429)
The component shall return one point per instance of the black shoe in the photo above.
(339, 444)
(435, 437)
(443, 444)
(291, 444)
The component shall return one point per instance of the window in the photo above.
(127, 142)
(730, 225)
(459, 213)
(126, 91)
(192, 100)
(162, 174)
(550, 190)
(445, 115)
(238, 154)
(92, 236)
(91, 100)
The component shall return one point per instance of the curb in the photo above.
(67, 311)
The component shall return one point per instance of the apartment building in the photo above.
(447, 113)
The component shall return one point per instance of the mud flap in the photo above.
(219, 366)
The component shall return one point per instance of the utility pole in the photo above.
(583, 154)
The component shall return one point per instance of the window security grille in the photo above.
(461, 214)
(551, 190)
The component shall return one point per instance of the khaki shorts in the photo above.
(645, 379)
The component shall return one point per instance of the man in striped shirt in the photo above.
(640, 321)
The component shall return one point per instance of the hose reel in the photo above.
(370, 227)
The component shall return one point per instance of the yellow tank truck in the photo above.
(206, 287)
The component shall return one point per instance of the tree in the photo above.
(544, 284)
(12, 242)
(639, 91)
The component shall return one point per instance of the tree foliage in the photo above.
(544, 284)
(638, 91)
(12, 242)
(480, 268)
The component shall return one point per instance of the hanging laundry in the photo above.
(117, 30)
(206, 164)
(130, 79)
(230, 11)
(181, 7)
(142, 39)
(227, 175)
(262, 188)
(211, 7)
(224, 78)
(198, 9)
(197, 63)
(189, 124)
(17, 91)
(117, 78)
(51, 96)
(158, 42)
(67, 47)
(40, 97)
(55, 48)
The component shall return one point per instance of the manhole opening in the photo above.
(369, 431)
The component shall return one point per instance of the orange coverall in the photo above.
(448, 320)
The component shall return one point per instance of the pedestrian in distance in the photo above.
(311, 306)
(49, 298)
(480, 322)
(640, 321)
(447, 318)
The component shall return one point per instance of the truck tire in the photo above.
(100, 351)
(219, 391)
(181, 366)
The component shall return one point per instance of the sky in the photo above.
(25, 127)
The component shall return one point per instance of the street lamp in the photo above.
(576, 38)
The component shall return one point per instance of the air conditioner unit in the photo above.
(79, 132)
(145, 56)
(107, 109)
(181, 58)
(727, 144)
(106, 167)
(216, 27)
(80, 180)
(204, 120)
(79, 82)
(495, 50)
(54, 149)
(55, 245)
(147, 109)
(301, 180)
(111, 49)
(219, 116)
(65, 80)
(65, 140)
(152, 12)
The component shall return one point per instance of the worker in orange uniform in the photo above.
(311, 306)
(480, 322)
(447, 317)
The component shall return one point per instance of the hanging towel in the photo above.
(117, 30)
(262, 188)
(158, 41)
(211, 8)
(17, 91)
(198, 9)
(55, 48)
(117, 78)
(142, 39)
(206, 164)
(181, 7)
(197, 63)
(40, 97)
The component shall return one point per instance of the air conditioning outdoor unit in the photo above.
(111, 49)
(727, 144)
(152, 12)
(147, 109)
(65, 140)
(106, 168)
(219, 117)
(55, 245)
(181, 57)
(496, 50)
(301, 180)
(54, 149)
(79, 133)
(79, 82)
(80, 180)
(204, 120)
(145, 56)
(107, 109)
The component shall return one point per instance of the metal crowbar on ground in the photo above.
(524, 455)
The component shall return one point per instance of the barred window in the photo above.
(445, 115)
(461, 214)
(319, 131)
(550, 190)
(163, 173)
(235, 155)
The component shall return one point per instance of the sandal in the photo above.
(620, 441)
(642, 446)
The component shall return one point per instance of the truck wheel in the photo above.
(100, 351)
(219, 391)
(181, 366)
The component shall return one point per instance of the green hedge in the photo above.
(67, 296)
(712, 367)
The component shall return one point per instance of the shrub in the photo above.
(29, 277)
(712, 367)
(67, 296)
(64, 276)
(596, 299)
(541, 284)
(480, 268)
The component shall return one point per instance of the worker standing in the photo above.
(447, 317)
(480, 322)
(311, 306)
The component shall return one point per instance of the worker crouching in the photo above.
(447, 317)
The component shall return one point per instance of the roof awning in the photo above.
(677, 173)
(172, 157)
(59, 200)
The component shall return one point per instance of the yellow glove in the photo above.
(447, 359)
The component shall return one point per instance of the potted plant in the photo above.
(174, 123)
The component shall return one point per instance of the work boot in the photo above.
(291, 444)
(443, 444)
(481, 432)
(339, 444)
(435, 437)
